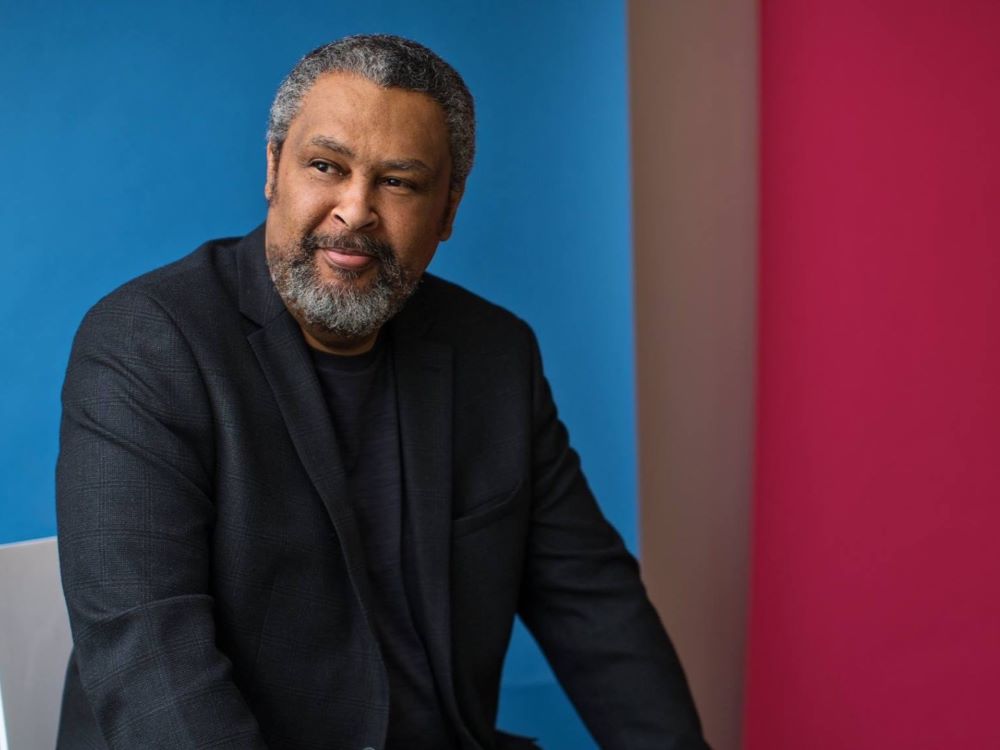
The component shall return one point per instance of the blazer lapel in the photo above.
(284, 357)
(424, 390)
(423, 371)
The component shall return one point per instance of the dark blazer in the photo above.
(211, 562)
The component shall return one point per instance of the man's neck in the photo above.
(344, 347)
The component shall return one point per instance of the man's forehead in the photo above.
(350, 96)
(351, 114)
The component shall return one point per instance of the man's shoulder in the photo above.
(205, 273)
(194, 296)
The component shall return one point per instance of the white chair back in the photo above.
(34, 645)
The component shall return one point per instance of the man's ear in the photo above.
(454, 198)
(272, 171)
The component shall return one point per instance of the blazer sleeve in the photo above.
(135, 512)
(584, 602)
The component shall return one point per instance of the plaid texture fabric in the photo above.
(213, 568)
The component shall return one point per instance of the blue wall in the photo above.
(132, 132)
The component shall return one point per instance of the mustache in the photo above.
(362, 244)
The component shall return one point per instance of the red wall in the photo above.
(875, 598)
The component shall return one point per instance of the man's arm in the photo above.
(135, 515)
(585, 604)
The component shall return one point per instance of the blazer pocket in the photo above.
(486, 513)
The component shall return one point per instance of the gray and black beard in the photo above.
(342, 309)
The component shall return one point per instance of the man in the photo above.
(303, 487)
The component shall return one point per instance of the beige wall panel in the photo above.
(693, 70)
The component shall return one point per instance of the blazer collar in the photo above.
(423, 371)
(258, 298)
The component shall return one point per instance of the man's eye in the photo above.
(324, 166)
(395, 182)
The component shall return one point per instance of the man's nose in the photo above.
(354, 208)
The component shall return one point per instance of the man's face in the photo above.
(358, 200)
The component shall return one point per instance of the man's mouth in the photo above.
(347, 259)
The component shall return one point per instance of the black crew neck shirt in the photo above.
(360, 392)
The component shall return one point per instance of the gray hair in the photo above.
(390, 62)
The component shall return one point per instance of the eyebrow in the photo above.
(407, 165)
(403, 165)
(331, 143)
